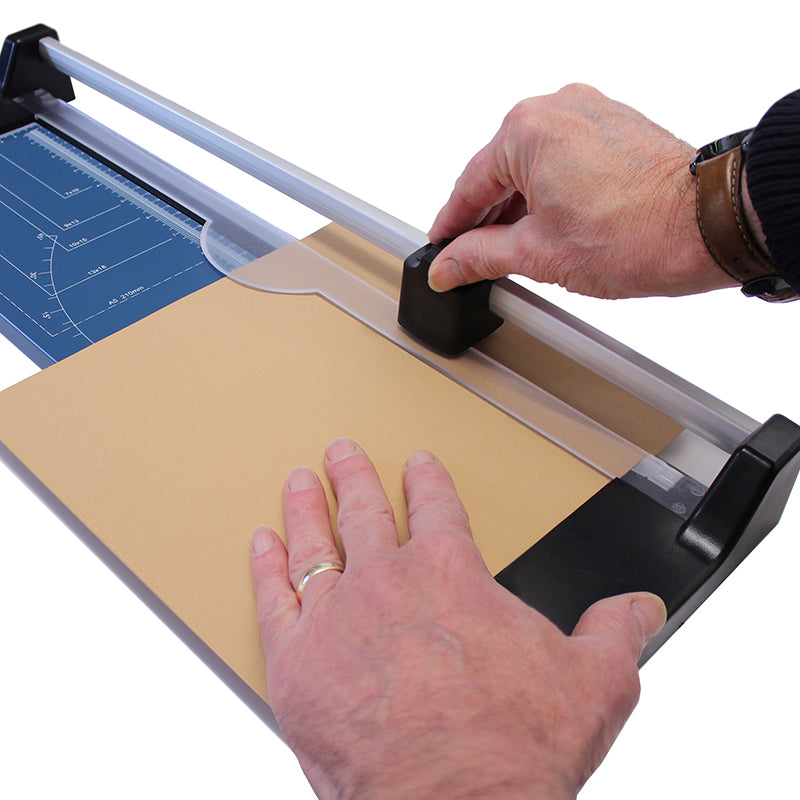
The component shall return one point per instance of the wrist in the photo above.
(731, 230)
(463, 784)
(751, 217)
(687, 263)
(459, 772)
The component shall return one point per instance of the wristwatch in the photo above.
(719, 167)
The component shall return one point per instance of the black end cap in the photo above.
(449, 322)
(22, 69)
(749, 493)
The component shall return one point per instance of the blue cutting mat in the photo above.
(84, 250)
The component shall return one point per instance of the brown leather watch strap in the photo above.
(725, 231)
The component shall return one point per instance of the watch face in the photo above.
(719, 146)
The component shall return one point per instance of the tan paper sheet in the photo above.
(557, 374)
(171, 440)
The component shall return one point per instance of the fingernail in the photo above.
(263, 539)
(420, 457)
(339, 449)
(651, 613)
(302, 478)
(441, 275)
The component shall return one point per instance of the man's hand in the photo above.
(413, 673)
(579, 190)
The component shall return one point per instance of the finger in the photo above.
(309, 538)
(482, 186)
(365, 518)
(515, 208)
(492, 252)
(631, 620)
(433, 502)
(276, 603)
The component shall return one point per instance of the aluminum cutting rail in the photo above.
(688, 405)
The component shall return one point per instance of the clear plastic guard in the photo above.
(229, 245)
(299, 269)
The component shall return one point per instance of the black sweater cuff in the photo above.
(773, 181)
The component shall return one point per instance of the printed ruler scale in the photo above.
(84, 249)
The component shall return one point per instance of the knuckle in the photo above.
(523, 118)
(442, 506)
(524, 110)
(578, 92)
(530, 116)
(306, 554)
(481, 266)
(433, 496)
(364, 510)
(523, 247)
(475, 260)
(442, 548)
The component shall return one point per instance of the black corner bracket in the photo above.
(621, 540)
(750, 492)
(22, 71)
(448, 322)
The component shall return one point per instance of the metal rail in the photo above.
(369, 222)
(693, 408)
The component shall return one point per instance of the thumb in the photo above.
(481, 253)
(629, 619)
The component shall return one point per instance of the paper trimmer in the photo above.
(98, 234)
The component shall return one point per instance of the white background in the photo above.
(97, 697)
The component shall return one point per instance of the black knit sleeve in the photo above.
(773, 181)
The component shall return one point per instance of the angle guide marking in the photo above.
(27, 277)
